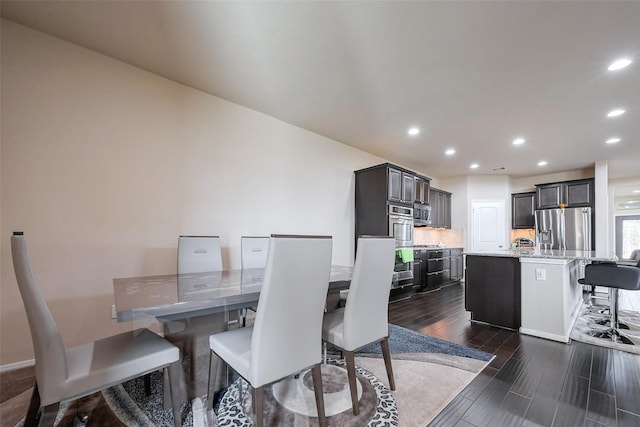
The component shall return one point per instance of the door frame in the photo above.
(618, 231)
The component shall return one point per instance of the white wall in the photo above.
(104, 165)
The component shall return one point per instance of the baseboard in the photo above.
(17, 365)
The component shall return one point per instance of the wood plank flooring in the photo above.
(532, 381)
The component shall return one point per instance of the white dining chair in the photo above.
(199, 254)
(196, 254)
(296, 281)
(254, 251)
(364, 318)
(64, 374)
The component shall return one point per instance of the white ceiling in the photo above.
(471, 75)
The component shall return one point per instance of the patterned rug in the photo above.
(428, 373)
(587, 323)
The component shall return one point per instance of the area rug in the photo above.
(586, 323)
(428, 374)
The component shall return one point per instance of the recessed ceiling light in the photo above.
(474, 166)
(518, 141)
(450, 152)
(619, 64)
(612, 140)
(615, 113)
(542, 163)
(413, 131)
(636, 191)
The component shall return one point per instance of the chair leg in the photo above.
(316, 373)
(351, 374)
(174, 381)
(34, 405)
(48, 416)
(147, 385)
(258, 405)
(386, 354)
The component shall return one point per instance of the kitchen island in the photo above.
(532, 290)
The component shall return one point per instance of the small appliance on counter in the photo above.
(523, 242)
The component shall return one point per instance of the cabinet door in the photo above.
(408, 192)
(417, 270)
(442, 209)
(426, 187)
(418, 195)
(523, 209)
(394, 185)
(433, 202)
(446, 223)
(550, 195)
(579, 193)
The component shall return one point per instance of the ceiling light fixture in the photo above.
(413, 131)
(615, 113)
(636, 191)
(612, 140)
(518, 141)
(450, 152)
(542, 163)
(474, 166)
(619, 64)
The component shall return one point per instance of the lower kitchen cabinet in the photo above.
(492, 290)
(438, 267)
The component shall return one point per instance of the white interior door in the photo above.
(488, 225)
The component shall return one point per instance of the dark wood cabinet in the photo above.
(580, 193)
(523, 208)
(400, 186)
(572, 194)
(492, 290)
(447, 210)
(439, 267)
(440, 202)
(375, 188)
(421, 188)
(549, 195)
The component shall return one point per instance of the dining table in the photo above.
(193, 306)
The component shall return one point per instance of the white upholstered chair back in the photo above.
(51, 365)
(199, 254)
(366, 310)
(287, 333)
(254, 251)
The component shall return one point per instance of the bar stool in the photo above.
(614, 277)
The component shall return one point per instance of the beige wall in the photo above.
(104, 165)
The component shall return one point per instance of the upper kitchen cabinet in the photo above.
(523, 207)
(440, 202)
(421, 186)
(400, 185)
(572, 194)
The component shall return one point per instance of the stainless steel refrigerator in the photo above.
(568, 228)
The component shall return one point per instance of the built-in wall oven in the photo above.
(401, 228)
(401, 225)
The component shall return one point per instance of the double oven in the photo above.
(401, 229)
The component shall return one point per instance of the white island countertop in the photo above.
(548, 253)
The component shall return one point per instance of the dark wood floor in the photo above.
(532, 381)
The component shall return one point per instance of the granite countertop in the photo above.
(549, 254)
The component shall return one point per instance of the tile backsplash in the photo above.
(452, 238)
(528, 233)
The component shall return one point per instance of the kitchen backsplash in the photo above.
(452, 238)
(517, 233)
